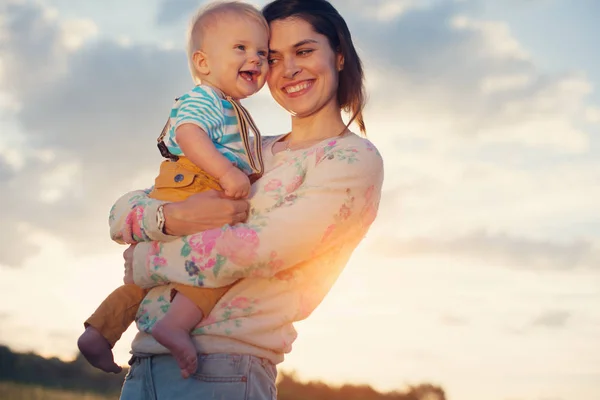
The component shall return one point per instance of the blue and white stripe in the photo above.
(203, 107)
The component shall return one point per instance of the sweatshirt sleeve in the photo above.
(133, 219)
(334, 203)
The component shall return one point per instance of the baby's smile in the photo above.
(250, 76)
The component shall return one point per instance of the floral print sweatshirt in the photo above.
(308, 213)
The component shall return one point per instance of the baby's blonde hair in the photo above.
(207, 15)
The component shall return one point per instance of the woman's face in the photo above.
(303, 75)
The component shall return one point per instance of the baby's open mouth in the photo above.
(248, 75)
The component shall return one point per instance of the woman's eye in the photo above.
(272, 61)
(304, 52)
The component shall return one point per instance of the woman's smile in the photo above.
(296, 89)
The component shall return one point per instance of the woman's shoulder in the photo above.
(346, 156)
(354, 147)
(359, 141)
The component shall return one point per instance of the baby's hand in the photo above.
(235, 183)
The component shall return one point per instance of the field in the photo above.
(13, 391)
(28, 376)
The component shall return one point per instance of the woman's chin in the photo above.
(303, 109)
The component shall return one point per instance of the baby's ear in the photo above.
(201, 63)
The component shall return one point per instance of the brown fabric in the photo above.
(178, 180)
(117, 312)
(204, 298)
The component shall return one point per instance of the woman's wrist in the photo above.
(170, 215)
(160, 218)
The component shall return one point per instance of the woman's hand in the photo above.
(128, 257)
(203, 211)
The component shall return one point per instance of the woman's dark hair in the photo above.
(327, 21)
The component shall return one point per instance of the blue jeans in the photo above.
(219, 377)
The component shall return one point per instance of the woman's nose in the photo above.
(291, 70)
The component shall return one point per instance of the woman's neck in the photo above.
(321, 125)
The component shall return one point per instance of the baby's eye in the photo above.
(262, 53)
(240, 47)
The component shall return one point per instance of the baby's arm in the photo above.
(197, 146)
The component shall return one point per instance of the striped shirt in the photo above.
(202, 106)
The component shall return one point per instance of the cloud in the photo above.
(443, 196)
(552, 319)
(497, 249)
(17, 245)
(29, 32)
(6, 172)
(592, 115)
(172, 12)
(63, 336)
(458, 98)
(440, 72)
(383, 10)
(94, 115)
(453, 320)
(474, 132)
(77, 32)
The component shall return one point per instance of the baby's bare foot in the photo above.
(179, 343)
(96, 349)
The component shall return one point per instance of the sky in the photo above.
(482, 271)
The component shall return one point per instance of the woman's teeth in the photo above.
(297, 88)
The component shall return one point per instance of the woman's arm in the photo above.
(133, 218)
(335, 204)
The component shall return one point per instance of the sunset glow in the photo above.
(480, 273)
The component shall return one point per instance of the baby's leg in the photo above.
(107, 324)
(173, 332)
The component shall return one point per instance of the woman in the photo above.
(315, 202)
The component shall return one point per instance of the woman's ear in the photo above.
(339, 62)
(201, 63)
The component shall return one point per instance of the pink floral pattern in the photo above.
(294, 184)
(204, 243)
(239, 245)
(307, 216)
(134, 223)
(273, 184)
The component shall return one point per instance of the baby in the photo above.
(206, 144)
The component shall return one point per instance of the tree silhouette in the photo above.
(79, 376)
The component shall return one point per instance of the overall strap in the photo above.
(162, 147)
(245, 121)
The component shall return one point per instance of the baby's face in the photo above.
(236, 48)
